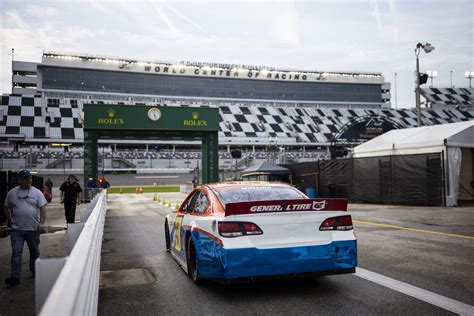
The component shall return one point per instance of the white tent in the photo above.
(454, 140)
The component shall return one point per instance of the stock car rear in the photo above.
(249, 230)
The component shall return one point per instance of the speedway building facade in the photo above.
(258, 106)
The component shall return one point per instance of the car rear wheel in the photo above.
(167, 237)
(193, 263)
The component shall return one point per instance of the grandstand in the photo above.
(271, 114)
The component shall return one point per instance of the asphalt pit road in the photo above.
(53, 229)
(125, 277)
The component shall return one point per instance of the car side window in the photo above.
(191, 203)
(201, 204)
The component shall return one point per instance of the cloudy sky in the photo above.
(359, 35)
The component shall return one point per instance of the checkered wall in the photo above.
(449, 96)
(59, 118)
(312, 125)
(35, 117)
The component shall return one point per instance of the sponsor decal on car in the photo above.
(285, 206)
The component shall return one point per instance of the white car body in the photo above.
(228, 241)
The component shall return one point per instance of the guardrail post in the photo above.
(47, 271)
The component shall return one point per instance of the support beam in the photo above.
(210, 158)
(91, 154)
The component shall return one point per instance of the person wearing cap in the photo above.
(103, 184)
(70, 196)
(91, 184)
(25, 211)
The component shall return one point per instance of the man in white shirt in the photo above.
(25, 212)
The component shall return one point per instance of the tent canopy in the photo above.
(419, 140)
(266, 168)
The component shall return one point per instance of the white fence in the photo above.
(70, 285)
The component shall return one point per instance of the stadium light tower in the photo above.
(432, 74)
(428, 48)
(469, 75)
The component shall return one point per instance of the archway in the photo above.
(136, 122)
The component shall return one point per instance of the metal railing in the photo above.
(70, 285)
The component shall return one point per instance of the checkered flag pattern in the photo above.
(59, 119)
(449, 96)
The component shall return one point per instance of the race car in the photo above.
(240, 231)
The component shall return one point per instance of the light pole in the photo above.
(469, 75)
(451, 77)
(432, 74)
(427, 47)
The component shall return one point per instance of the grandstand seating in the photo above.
(130, 155)
(59, 119)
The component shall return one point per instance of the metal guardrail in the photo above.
(70, 285)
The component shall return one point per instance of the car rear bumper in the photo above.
(285, 276)
(334, 258)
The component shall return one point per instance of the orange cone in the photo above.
(141, 190)
(136, 190)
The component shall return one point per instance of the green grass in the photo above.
(152, 189)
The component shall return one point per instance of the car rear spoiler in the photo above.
(282, 206)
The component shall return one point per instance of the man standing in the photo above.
(25, 211)
(70, 196)
(91, 184)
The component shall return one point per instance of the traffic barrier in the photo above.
(90, 193)
(70, 285)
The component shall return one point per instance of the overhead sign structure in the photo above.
(151, 123)
(136, 117)
(364, 128)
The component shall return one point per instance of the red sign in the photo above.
(279, 206)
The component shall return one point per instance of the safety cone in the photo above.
(154, 197)
(121, 191)
(137, 190)
(141, 190)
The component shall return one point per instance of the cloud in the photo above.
(393, 12)
(184, 17)
(365, 35)
(376, 14)
(42, 12)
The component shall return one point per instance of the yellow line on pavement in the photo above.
(412, 229)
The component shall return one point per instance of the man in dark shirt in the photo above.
(70, 196)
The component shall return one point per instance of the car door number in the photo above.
(177, 229)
